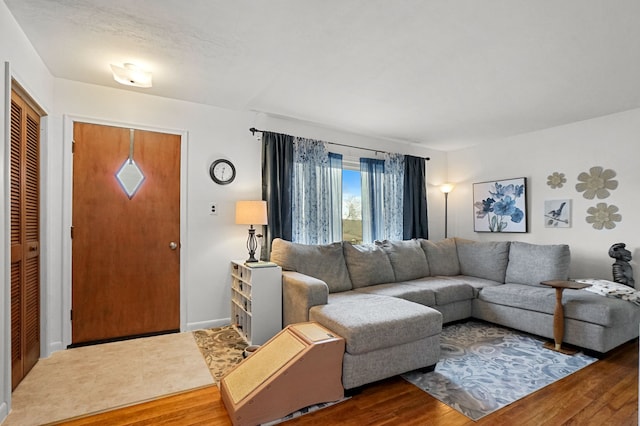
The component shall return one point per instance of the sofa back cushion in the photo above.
(407, 259)
(368, 264)
(324, 262)
(442, 256)
(530, 263)
(486, 260)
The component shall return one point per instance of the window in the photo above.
(298, 214)
(376, 213)
(351, 205)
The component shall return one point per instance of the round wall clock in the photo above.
(222, 171)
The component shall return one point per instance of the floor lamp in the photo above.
(446, 189)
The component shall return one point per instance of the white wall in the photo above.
(610, 142)
(28, 70)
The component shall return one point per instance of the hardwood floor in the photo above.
(604, 393)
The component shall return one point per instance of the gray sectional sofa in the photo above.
(390, 299)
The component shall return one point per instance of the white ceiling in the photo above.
(444, 73)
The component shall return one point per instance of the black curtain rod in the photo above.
(253, 131)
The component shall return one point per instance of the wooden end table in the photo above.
(558, 315)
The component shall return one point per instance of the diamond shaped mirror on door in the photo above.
(130, 177)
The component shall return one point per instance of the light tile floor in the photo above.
(90, 379)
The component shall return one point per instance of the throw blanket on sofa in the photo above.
(612, 289)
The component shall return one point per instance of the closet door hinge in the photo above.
(73, 147)
(71, 314)
(72, 232)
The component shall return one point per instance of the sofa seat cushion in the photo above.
(324, 262)
(423, 296)
(350, 296)
(475, 282)
(578, 304)
(487, 259)
(374, 322)
(368, 264)
(531, 263)
(407, 259)
(445, 289)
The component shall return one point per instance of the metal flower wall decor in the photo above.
(596, 183)
(603, 216)
(556, 180)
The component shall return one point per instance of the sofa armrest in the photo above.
(299, 293)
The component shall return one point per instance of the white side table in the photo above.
(256, 301)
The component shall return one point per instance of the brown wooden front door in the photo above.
(126, 255)
(25, 238)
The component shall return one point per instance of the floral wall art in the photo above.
(500, 206)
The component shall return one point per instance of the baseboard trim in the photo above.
(54, 347)
(4, 411)
(192, 326)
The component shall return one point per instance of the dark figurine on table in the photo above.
(622, 271)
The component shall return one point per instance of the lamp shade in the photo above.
(251, 212)
(447, 187)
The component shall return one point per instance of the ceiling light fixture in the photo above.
(131, 75)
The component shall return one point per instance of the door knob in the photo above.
(173, 245)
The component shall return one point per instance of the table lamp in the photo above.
(251, 213)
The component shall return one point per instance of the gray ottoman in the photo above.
(384, 336)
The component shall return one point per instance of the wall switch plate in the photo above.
(213, 209)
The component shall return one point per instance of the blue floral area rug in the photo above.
(484, 367)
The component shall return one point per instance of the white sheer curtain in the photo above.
(372, 178)
(393, 196)
(382, 198)
(335, 171)
(316, 204)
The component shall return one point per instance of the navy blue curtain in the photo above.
(277, 169)
(415, 198)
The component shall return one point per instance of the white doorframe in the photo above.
(5, 259)
(12, 81)
(67, 200)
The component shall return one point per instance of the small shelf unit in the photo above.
(256, 301)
